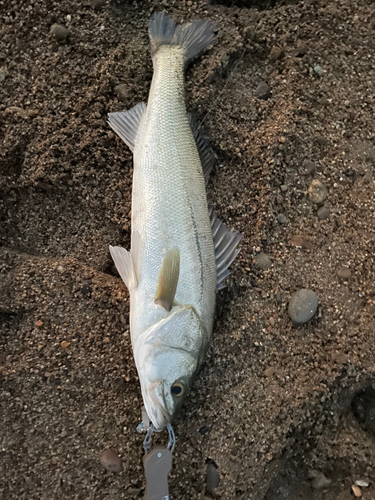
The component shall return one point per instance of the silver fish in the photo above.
(180, 251)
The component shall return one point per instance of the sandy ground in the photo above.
(276, 407)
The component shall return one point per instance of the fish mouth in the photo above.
(156, 405)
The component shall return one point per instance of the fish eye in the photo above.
(178, 388)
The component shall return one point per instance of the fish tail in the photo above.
(193, 37)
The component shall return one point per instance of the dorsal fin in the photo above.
(205, 153)
(126, 123)
(225, 243)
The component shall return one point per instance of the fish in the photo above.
(180, 250)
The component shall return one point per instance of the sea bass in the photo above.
(180, 251)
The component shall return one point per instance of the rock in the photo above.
(302, 306)
(357, 492)
(97, 3)
(262, 91)
(2, 75)
(39, 323)
(118, 195)
(60, 269)
(362, 483)
(323, 101)
(309, 167)
(272, 321)
(322, 141)
(86, 290)
(270, 371)
(320, 481)
(317, 192)
(302, 49)
(122, 91)
(323, 213)
(203, 430)
(60, 32)
(279, 297)
(15, 110)
(212, 478)
(275, 53)
(134, 492)
(301, 241)
(111, 461)
(263, 261)
(318, 70)
(284, 187)
(344, 273)
(282, 219)
(64, 344)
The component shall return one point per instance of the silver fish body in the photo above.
(172, 255)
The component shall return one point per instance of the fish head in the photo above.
(168, 356)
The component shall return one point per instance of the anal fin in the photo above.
(124, 265)
(126, 123)
(168, 279)
(225, 243)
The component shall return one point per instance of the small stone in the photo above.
(64, 344)
(279, 297)
(270, 371)
(263, 261)
(68, 18)
(2, 75)
(122, 91)
(275, 53)
(282, 219)
(203, 430)
(322, 141)
(323, 101)
(60, 269)
(279, 199)
(59, 32)
(97, 3)
(111, 461)
(272, 321)
(39, 323)
(134, 492)
(302, 306)
(15, 110)
(302, 49)
(118, 195)
(212, 478)
(284, 187)
(317, 192)
(357, 492)
(301, 241)
(344, 273)
(320, 482)
(263, 91)
(362, 483)
(318, 70)
(189, 3)
(323, 213)
(309, 167)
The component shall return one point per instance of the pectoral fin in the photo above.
(168, 279)
(124, 265)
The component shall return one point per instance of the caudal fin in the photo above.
(193, 37)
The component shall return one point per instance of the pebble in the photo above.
(203, 430)
(270, 371)
(118, 195)
(302, 49)
(86, 290)
(284, 187)
(318, 70)
(309, 167)
(301, 241)
(111, 461)
(60, 269)
(320, 481)
(302, 306)
(272, 321)
(357, 492)
(275, 53)
(59, 32)
(323, 213)
(2, 75)
(263, 261)
(97, 3)
(282, 219)
(263, 91)
(344, 273)
(39, 323)
(317, 192)
(212, 479)
(64, 344)
(362, 483)
(122, 91)
(322, 141)
(279, 297)
(134, 492)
